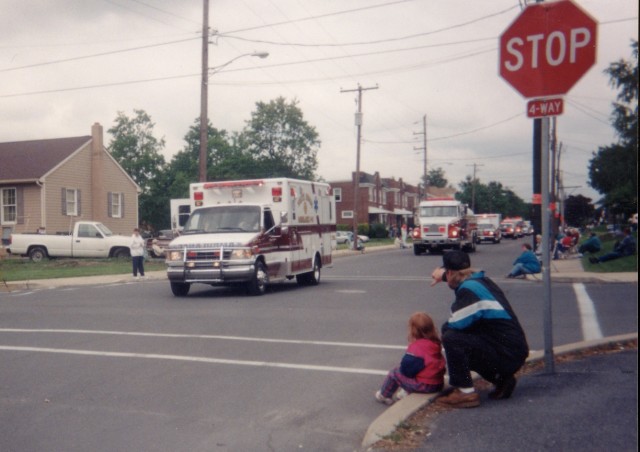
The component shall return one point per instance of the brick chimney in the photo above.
(98, 195)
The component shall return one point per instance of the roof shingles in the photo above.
(30, 160)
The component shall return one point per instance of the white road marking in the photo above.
(588, 316)
(197, 359)
(351, 291)
(423, 279)
(205, 336)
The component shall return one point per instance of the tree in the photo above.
(280, 141)
(435, 178)
(613, 168)
(136, 149)
(492, 198)
(579, 210)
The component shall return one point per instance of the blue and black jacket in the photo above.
(482, 309)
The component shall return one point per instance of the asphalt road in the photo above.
(130, 367)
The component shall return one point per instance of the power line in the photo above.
(166, 12)
(229, 70)
(320, 16)
(83, 57)
(379, 41)
(103, 85)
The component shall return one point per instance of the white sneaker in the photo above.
(400, 394)
(380, 398)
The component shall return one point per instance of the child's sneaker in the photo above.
(400, 394)
(382, 399)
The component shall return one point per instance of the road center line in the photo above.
(588, 316)
(196, 359)
(205, 336)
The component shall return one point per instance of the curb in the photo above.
(36, 284)
(388, 421)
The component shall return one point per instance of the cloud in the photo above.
(448, 71)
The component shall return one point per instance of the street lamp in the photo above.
(206, 72)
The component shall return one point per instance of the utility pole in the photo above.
(473, 186)
(556, 177)
(357, 181)
(424, 149)
(204, 94)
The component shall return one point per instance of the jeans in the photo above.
(395, 379)
(519, 269)
(138, 265)
(466, 352)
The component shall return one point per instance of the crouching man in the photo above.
(482, 335)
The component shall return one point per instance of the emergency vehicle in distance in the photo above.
(444, 223)
(254, 232)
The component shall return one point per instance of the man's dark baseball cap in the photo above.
(456, 260)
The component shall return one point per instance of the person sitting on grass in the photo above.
(592, 245)
(526, 264)
(422, 367)
(622, 248)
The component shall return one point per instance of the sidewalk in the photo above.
(569, 270)
(590, 403)
(127, 278)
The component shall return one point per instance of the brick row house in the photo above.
(385, 201)
(52, 183)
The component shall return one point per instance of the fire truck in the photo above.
(254, 233)
(444, 223)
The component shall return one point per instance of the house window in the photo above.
(71, 200)
(347, 214)
(9, 212)
(372, 194)
(116, 205)
(337, 193)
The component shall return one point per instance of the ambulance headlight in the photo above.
(241, 254)
(175, 255)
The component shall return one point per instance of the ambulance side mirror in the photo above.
(284, 217)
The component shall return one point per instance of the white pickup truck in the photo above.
(89, 239)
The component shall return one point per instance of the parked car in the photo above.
(488, 233)
(342, 237)
(157, 245)
(347, 236)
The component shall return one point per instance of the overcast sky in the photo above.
(427, 57)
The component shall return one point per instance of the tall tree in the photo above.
(282, 143)
(136, 149)
(578, 210)
(435, 178)
(492, 198)
(613, 169)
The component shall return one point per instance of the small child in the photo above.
(422, 367)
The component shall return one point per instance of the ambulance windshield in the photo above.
(222, 219)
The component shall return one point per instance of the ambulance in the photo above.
(253, 233)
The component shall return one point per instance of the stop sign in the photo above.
(548, 48)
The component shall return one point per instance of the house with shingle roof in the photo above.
(53, 183)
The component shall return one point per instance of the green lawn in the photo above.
(20, 269)
(373, 243)
(623, 264)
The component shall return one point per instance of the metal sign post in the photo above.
(546, 274)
